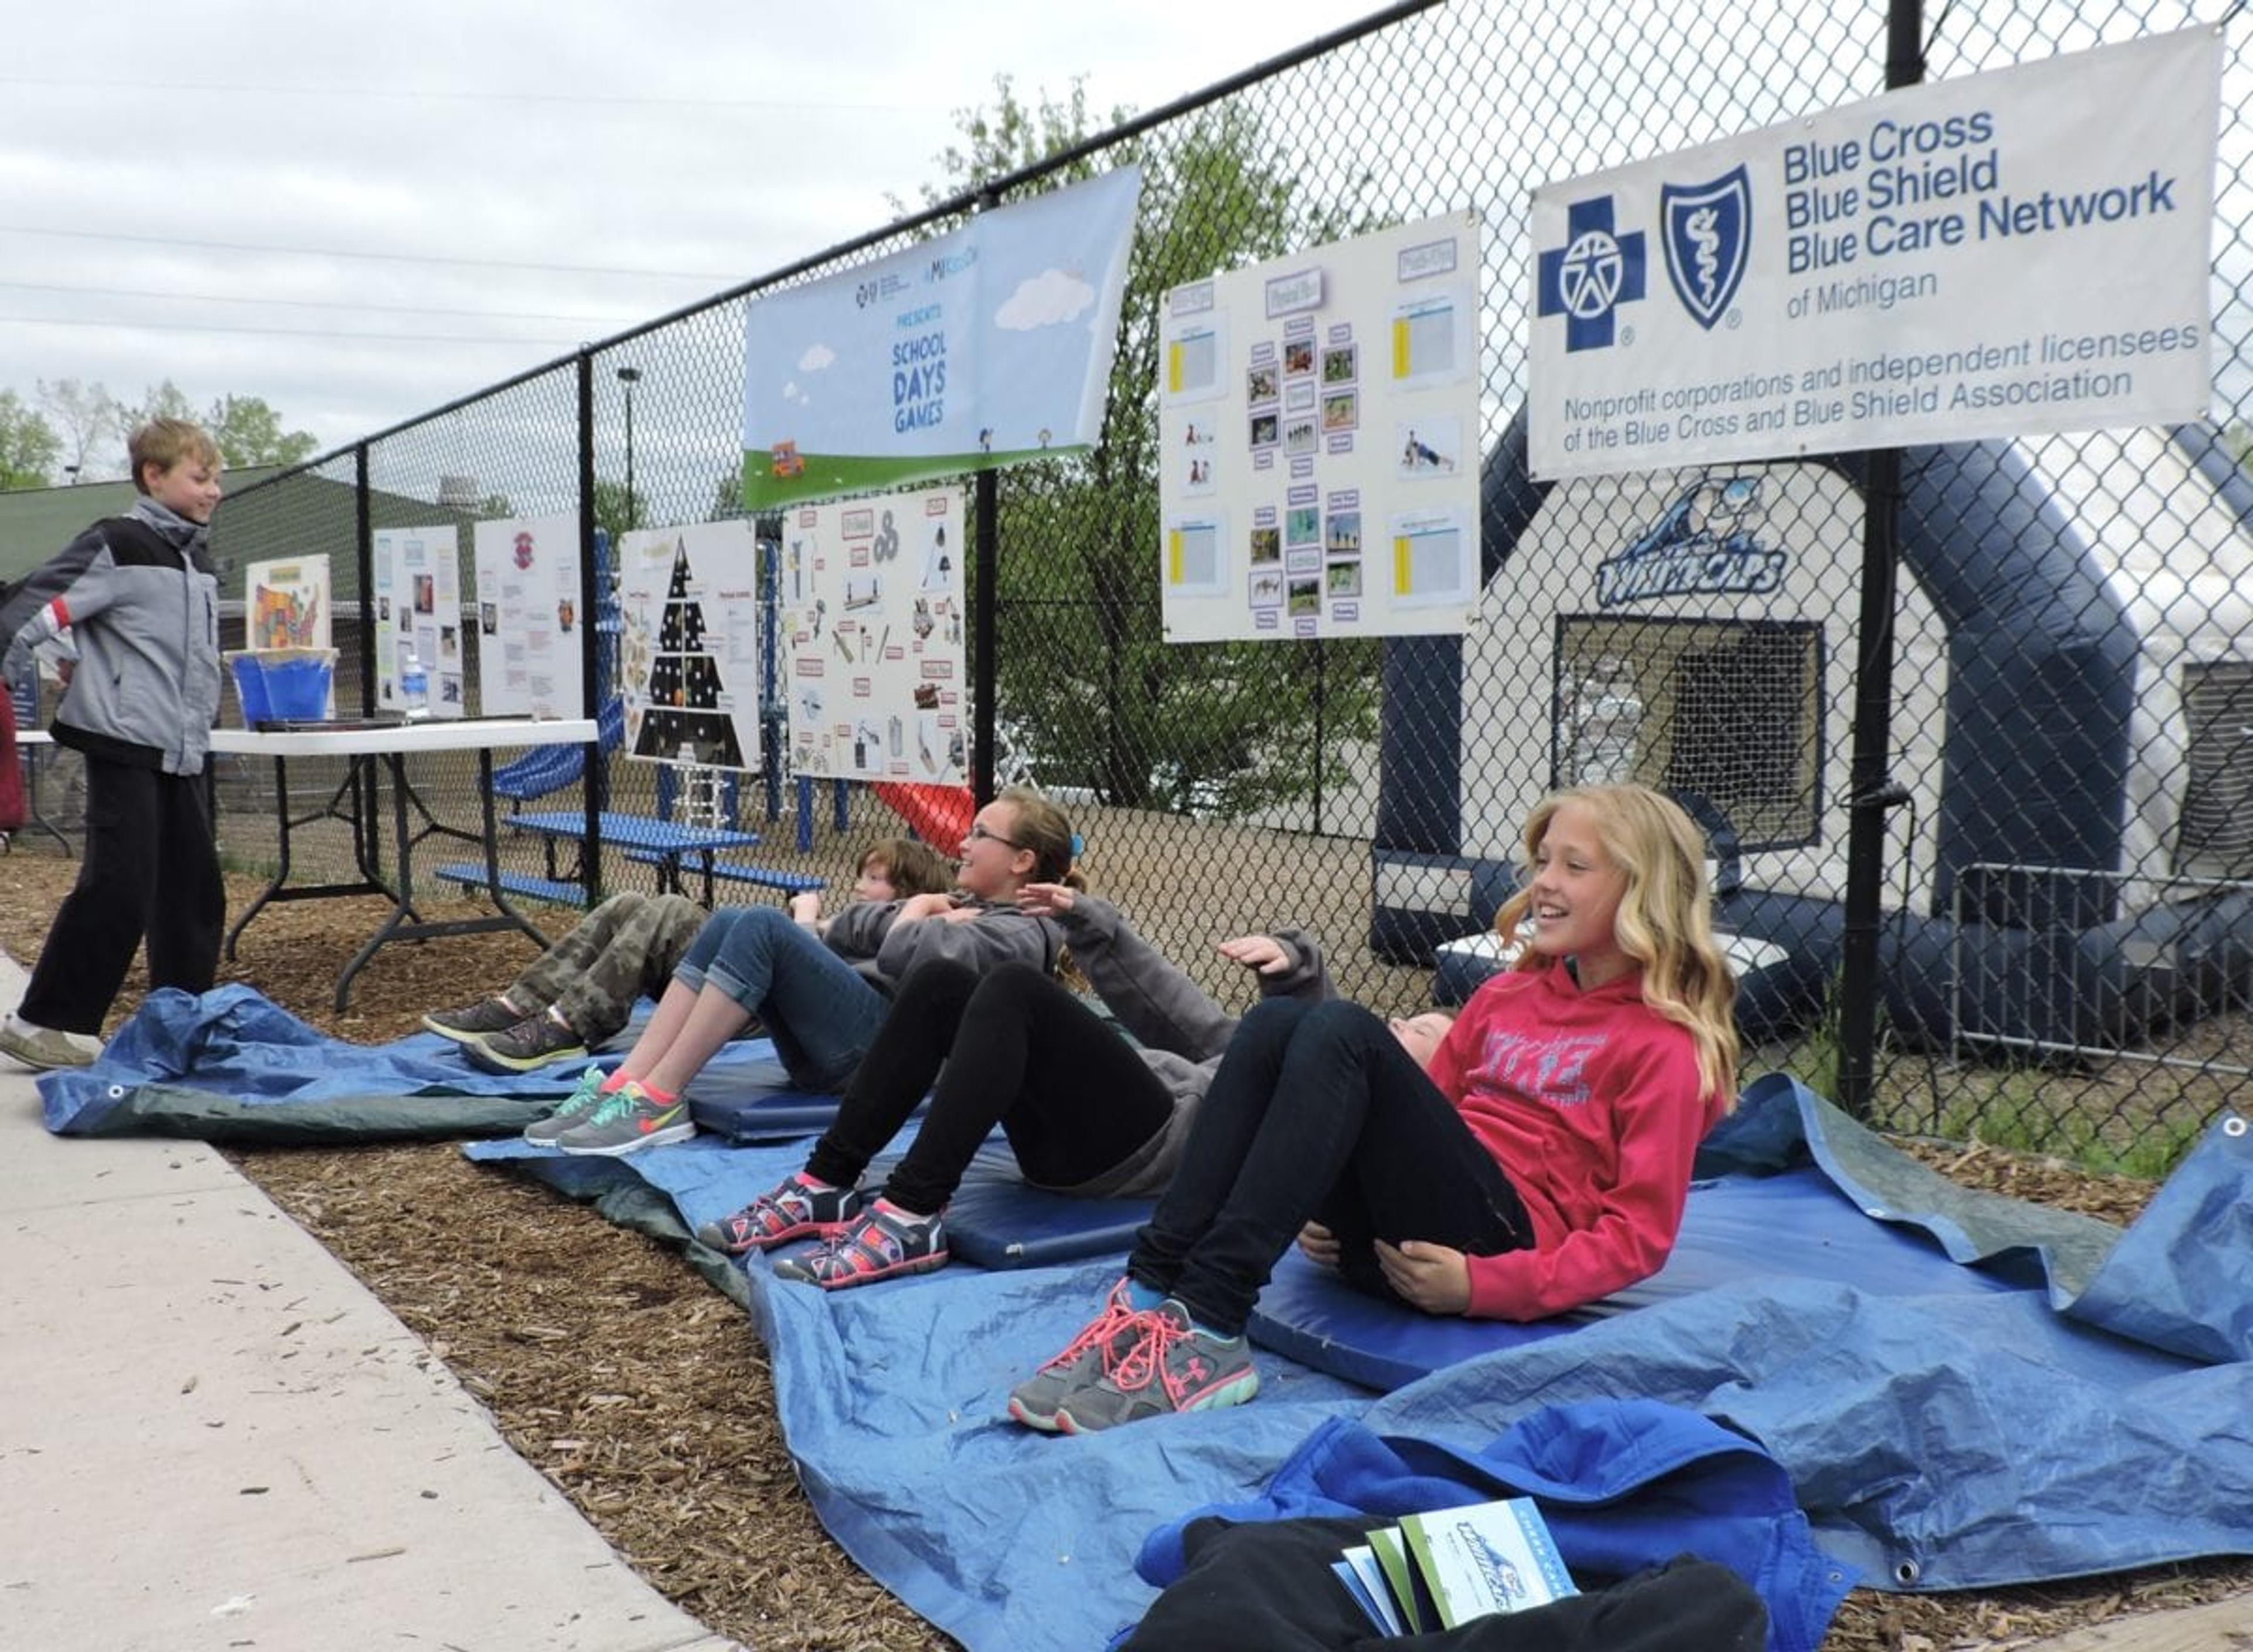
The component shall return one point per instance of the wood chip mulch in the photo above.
(644, 1396)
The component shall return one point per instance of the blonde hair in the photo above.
(1040, 827)
(910, 866)
(164, 442)
(1665, 920)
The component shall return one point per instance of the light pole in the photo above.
(631, 377)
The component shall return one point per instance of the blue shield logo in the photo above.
(1708, 232)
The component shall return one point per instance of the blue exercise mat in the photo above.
(995, 1220)
(753, 1100)
(1729, 1235)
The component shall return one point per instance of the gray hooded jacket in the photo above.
(1182, 1032)
(140, 602)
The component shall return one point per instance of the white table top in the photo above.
(438, 733)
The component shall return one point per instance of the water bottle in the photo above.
(414, 688)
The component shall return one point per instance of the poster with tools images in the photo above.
(871, 596)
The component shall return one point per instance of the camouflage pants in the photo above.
(624, 949)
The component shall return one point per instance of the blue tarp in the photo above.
(231, 1065)
(1938, 1439)
(2088, 1418)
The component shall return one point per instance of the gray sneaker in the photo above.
(1088, 1358)
(472, 1021)
(43, 1048)
(627, 1120)
(572, 1113)
(1173, 1367)
(529, 1044)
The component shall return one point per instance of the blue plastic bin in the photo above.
(249, 687)
(296, 681)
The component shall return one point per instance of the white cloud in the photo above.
(1048, 300)
(816, 359)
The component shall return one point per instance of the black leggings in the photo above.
(1072, 1096)
(1317, 1111)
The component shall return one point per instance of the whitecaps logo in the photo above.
(1707, 229)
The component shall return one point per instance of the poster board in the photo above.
(1318, 424)
(286, 603)
(530, 630)
(871, 594)
(688, 645)
(418, 612)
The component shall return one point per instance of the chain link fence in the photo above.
(2067, 957)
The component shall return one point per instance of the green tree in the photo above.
(164, 400)
(29, 446)
(85, 418)
(249, 432)
(1098, 696)
(617, 512)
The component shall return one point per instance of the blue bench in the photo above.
(666, 842)
(766, 877)
(561, 891)
(547, 769)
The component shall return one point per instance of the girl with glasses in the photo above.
(822, 992)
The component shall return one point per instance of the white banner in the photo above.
(2011, 253)
(989, 345)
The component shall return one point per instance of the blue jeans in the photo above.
(1317, 1111)
(821, 1012)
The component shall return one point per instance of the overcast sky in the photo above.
(358, 211)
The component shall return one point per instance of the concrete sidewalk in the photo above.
(212, 1435)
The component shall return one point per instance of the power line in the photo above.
(392, 258)
(309, 303)
(289, 332)
(576, 99)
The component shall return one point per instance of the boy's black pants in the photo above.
(151, 869)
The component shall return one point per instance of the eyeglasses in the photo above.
(979, 831)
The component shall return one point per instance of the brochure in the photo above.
(1446, 1567)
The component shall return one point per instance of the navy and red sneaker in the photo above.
(799, 1209)
(881, 1242)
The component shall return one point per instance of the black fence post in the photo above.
(1870, 781)
(984, 673)
(590, 637)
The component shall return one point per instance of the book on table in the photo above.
(1446, 1567)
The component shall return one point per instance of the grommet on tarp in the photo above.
(1906, 1573)
(2233, 1125)
(117, 1092)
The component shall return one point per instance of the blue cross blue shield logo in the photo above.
(1708, 232)
(1591, 276)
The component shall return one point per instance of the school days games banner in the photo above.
(2011, 253)
(985, 346)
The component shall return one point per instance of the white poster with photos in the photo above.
(688, 643)
(530, 629)
(1318, 421)
(418, 615)
(871, 594)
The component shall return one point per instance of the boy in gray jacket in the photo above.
(135, 599)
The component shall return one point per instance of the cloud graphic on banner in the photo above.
(816, 359)
(1050, 299)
